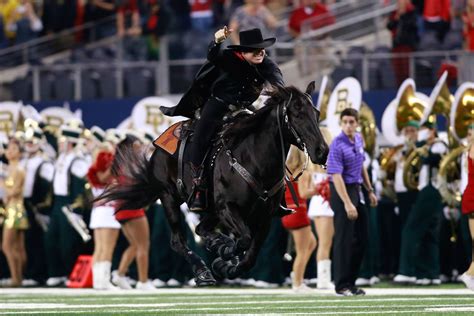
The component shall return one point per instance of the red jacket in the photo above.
(302, 14)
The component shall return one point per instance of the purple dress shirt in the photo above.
(346, 158)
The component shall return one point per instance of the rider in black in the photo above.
(239, 74)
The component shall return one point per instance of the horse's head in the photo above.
(301, 119)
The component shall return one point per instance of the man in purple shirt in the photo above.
(345, 165)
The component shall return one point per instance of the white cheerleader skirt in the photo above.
(103, 217)
(319, 207)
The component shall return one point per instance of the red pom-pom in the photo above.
(104, 160)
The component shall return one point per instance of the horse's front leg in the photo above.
(202, 274)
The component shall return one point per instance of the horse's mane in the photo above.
(248, 125)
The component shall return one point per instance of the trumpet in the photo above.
(77, 222)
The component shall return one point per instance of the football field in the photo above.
(378, 301)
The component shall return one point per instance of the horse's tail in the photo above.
(136, 187)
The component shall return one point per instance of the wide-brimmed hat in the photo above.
(252, 39)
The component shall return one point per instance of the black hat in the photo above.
(252, 39)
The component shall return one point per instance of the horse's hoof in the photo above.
(205, 278)
(218, 267)
(226, 252)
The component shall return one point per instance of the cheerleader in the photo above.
(106, 227)
(299, 223)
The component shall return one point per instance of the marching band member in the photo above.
(16, 219)
(405, 197)
(62, 241)
(419, 255)
(106, 227)
(38, 197)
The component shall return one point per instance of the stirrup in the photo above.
(198, 200)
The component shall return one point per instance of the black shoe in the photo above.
(344, 292)
(283, 211)
(357, 291)
(198, 201)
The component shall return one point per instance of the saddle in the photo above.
(175, 139)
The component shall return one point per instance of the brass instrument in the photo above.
(461, 115)
(407, 106)
(439, 104)
(323, 99)
(368, 128)
(77, 222)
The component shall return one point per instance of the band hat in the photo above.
(33, 134)
(252, 39)
(112, 135)
(70, 133)
(97, 133)
(430, 125)
(412, 123)
(149, 137)
(135, 133)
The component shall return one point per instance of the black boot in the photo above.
(198, 200)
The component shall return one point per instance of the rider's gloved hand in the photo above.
(222, 34)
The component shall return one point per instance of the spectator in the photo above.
(253, 14)
(58, 15)
(181, 12)
(128, 19)
(7, 12)
(201, 15)
(466, 69)
(312, 13)
(28, 23)
(437, 17)
(468, 19)
(98, 10)
(156, 26)
(402, 23)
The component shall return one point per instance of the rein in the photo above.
(253, 183)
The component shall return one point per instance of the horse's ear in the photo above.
(310, 88)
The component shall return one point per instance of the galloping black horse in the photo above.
(246, 182)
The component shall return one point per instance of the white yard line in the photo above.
(227, 291)
(450, 309)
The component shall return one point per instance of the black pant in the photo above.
(389, 226)
(211, 119)
(350, 238)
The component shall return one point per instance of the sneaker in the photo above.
(265, 285)
(145, 286)
(403, 279)
(248, 282)
(362, 282)
(29, 283)
(302, 289)
(56, 281)
(120, 281)
(173, 283)
(374, 280)
(326, 286)
(344, 292)
(423, 282)
(192, 282)
(357, 291)
(159, 283)
(468, 280)
(435, 281)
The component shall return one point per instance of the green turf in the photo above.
(185, 303)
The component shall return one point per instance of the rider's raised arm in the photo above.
(214, 54)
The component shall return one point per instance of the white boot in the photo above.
(97, 275)
(324, 275)
(106, 266)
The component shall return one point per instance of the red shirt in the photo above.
(303, 13)
(469, 33)
(436, 10)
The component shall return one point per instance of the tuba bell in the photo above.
(461, 115)
(368, 128)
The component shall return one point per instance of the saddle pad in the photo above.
(169, 140)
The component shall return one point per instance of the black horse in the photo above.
(246, 182)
